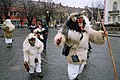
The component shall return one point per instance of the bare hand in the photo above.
(59, 41)
(105, 33)
(25, 62)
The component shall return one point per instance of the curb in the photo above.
(114, 35)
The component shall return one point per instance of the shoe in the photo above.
(88, 53)
(9, 45)
(85, 67)
(32, 75)
(40, 74)
(75, 78)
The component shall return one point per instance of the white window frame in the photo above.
(115, 6)
(118, 18)
(114, 18)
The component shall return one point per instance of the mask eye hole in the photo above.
(38, 32)
(32, 40)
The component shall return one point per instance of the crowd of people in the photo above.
(75, 35)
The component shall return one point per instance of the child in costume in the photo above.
(32, 49)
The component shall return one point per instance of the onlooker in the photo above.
(32, 27)
(42, 25)
(39, 24)
(45, 33)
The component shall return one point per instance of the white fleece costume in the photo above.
(79, 47)
(33, 52)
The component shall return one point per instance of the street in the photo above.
(54, 67)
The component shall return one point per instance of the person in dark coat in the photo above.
(32, 27)
(42, 25)
(45, 31)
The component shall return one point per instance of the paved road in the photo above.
(99, 64)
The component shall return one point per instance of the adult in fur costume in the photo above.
(75, 34)
(8, 29)
(32, 49)
(32, 27)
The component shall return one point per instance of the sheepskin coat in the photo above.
(79, 47)
(32, 52)
(8, 28)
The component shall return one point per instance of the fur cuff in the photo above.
(61, 37)
(97, 38)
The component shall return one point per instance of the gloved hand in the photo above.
(26, 66)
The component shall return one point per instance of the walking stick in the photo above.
(110, 49)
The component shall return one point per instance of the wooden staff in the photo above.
(26, 66)
(110, 49)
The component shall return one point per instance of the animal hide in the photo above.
(7, 23)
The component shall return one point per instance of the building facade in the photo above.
(112, 11)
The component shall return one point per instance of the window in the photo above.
(118, 18)
(115, 6)
(14, 13)
(114, 18)
(109, 19)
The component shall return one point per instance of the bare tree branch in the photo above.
(7, 4)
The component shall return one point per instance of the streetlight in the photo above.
(47, 12)
(47, 17)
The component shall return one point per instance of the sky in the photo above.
(77, 3)
(74, 3)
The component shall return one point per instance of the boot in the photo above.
(11, 45)
(75, 78)
(40, 74)
(89, 47)
(32, 75)
(8, 45)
